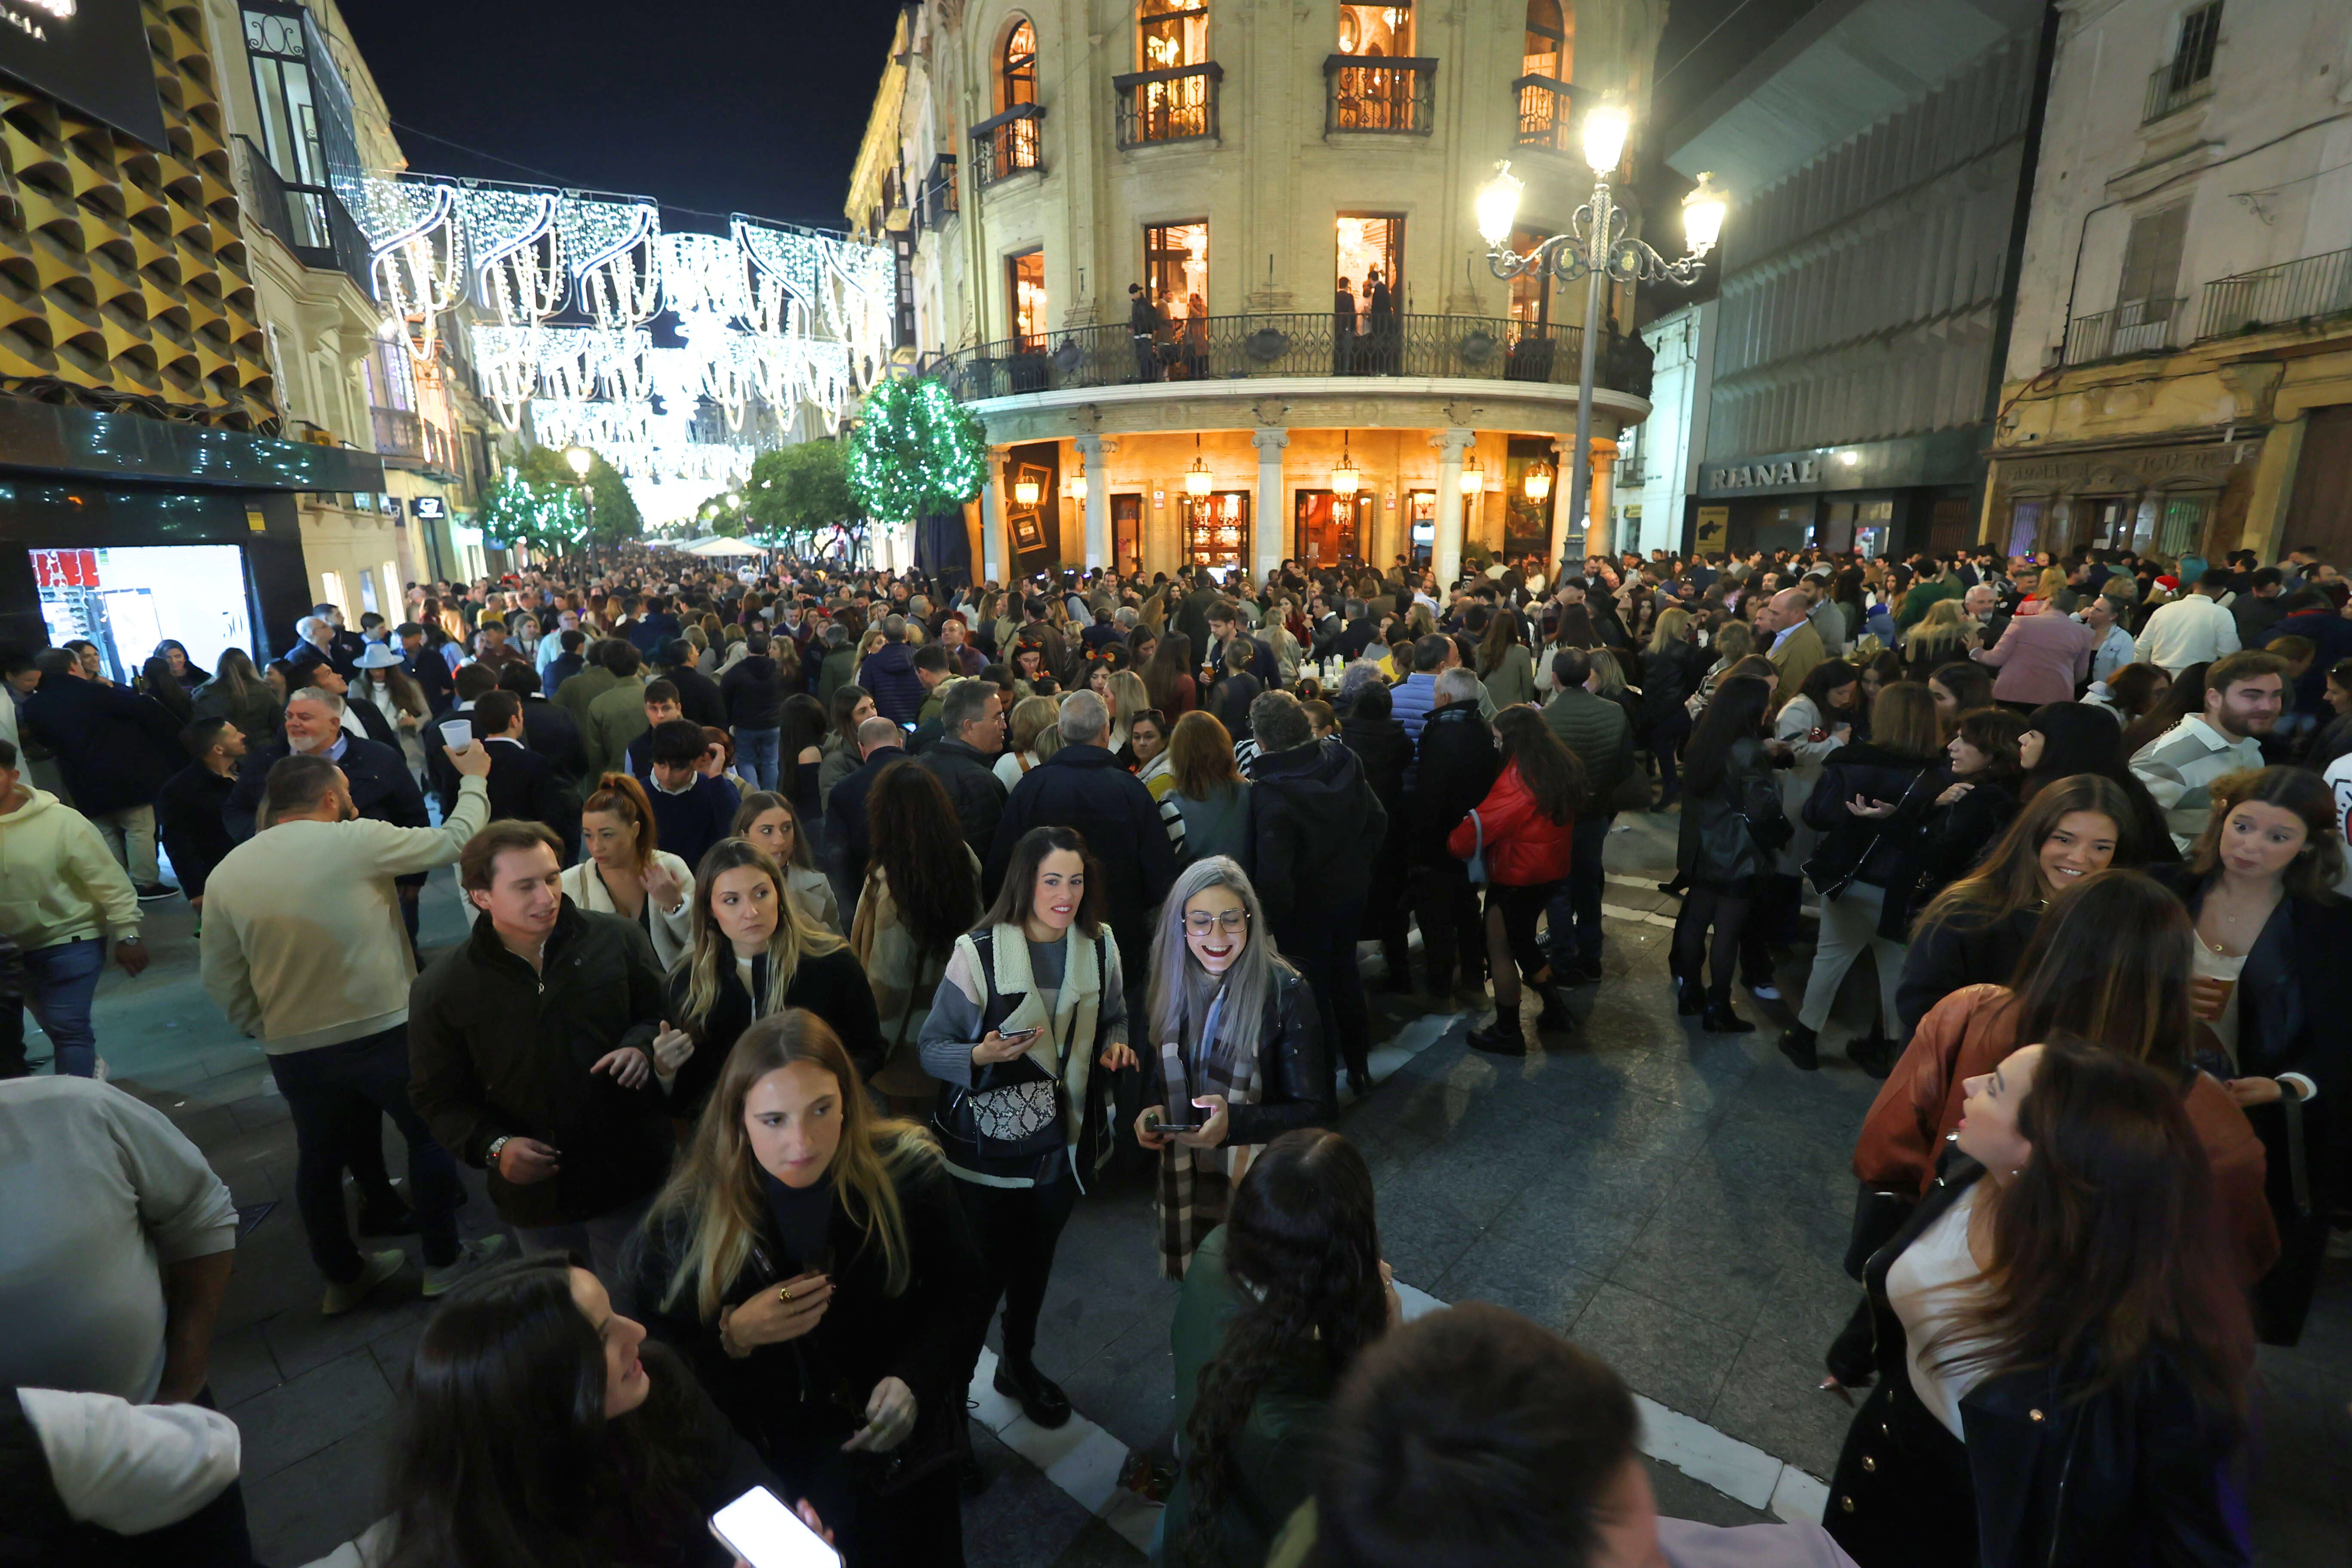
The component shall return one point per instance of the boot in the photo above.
(1501, 1038)
(1042, 1400)
(1359, 1075)
(1799, 1045)
(1690, 997)
(970, 1478)
(1555, 1015)
(1717, 1018)
(1874, 1055)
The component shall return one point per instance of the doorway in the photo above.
(1328, 527)
(1127, 532)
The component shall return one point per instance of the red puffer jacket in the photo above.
(1524, 846)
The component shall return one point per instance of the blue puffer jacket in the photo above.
(889, 673)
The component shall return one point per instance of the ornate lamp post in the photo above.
(1595, 246)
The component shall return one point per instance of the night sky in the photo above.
(751, 106)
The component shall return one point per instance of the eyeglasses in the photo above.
(1147, 716)
(1233, 923)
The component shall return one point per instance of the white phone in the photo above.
(758, 1528)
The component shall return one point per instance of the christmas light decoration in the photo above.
(915, 450)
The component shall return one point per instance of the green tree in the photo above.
(916, 451)
(614, 516)
(522, 511)
(794, 491)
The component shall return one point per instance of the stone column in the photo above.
(1445, 551)
(1560, 449)
(1603, 458)
(1266, 528)
(993, 562)
(1098, 502)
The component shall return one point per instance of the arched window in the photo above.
(1016, 73)
(1171, 34)
(1551, 33)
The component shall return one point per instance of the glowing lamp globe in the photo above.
(1538, 483)
(1498, 204)
(1026, 492)
(578, 459)
(1346, 477)
(1702, 216)
(1605, 129)
(1198, 480)
(1472, 478)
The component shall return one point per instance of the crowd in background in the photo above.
(831, 934)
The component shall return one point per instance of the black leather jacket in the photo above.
(2130, 1474)
(1296, 1089)
(1716, 843)
(1868, 849)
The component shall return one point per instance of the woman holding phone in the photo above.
(1033, 1001)
(811, 1264)
(537, 1425)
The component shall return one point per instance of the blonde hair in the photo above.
(1033, 728)
(715, 1188)
(1671, 631)
(1128, 696)
(713, 955)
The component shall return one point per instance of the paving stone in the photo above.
(287, 1425)
(1666, 1352)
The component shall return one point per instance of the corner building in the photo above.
(1255, 167)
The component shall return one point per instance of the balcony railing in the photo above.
(1176, 103)
(2292, 291)
(310, 219)
(399, 433)
(1013, 143)
(1371, 92)
(939, 194)
(1231, 348)
(1546, 108)
(2169, 95)
(2133, 327)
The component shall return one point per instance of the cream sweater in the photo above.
(58, 882)
(303, 943)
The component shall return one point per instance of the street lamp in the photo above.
(1471, 481)
(1345, 475)
(1198, 480)
(1595, 246)
(579, 458)
(1538, 484)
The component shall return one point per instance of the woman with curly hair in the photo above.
(1280, 1301)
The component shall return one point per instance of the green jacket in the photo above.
(1273, 1455)
(1598, 732)
(838, 668)
(615, 719)
(575, 695)
(1922, 598)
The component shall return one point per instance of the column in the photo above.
(993, 560)
(1598, 533)
(1560, 449)
(1445, 553)
(1090, 447)
(1272, 515)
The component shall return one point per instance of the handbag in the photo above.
(1760, 809)
(1476, 868)
(1817, 869)
(1023, 1117)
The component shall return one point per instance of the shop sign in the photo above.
(65, 568)
(428, 509)
(1750, 475)
(2130, 470)
(88, 55)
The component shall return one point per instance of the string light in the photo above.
(915, 450)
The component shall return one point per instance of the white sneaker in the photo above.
(381, 1267)
(471, 1259)
(1765, 992)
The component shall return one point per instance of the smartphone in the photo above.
(909, 728)
(1028, 1033)
(1176, 1126)
(758, 1528)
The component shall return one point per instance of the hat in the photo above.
(377, 655)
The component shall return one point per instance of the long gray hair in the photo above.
(1178, 982)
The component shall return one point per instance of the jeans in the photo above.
(1849, 925)
(1575, 906)
(755, 753)
(59, 984)
(1519, 906)
(599, 1238)
(130, 837)
(1017, 1229)
(335, 1093)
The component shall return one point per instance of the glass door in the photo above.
(1216, 528)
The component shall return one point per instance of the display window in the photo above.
(128, 600)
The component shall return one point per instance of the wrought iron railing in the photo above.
(309, 219)
(1013, 143)
(939, 194)
(2133, 327)
(2167, 93)
(1546, 108)
(1379, 93)
(1176, 103)
(399, 433)
(2290, 292)
(1227, 347)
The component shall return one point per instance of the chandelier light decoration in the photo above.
(599, 329)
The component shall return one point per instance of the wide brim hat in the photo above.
(376, 656)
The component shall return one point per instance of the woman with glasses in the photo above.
(1240, 1060)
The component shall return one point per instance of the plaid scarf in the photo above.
(1196, 1185)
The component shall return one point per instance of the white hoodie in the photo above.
(58, 882)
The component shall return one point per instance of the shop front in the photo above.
(1216, 530)
(1876, 498)
(1329, 527)
(127, 531)
(2171, 499)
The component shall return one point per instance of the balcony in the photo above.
(309, 219)
(399, 433)
(2167, 93)
(1301, 343)
(1395, 95)
(1010, 143)
(2273, 296)
(2133, 327)
(1546, 108)
(1176, 103)
(936, 200)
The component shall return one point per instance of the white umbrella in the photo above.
(724, 546)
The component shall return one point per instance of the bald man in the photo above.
(1792, 645)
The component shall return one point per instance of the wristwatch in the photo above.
(490, 1154)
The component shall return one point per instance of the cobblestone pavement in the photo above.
(1676, 1201)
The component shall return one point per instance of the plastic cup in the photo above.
(457, 734)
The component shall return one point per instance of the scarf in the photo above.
(1196, 1185)
(1070, 1029)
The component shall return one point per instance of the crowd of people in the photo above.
(830, 936)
